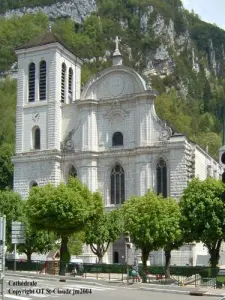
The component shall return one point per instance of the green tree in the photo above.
(6, 166)
(37, 241)
(103, 231)
(12, 206)
(76, 242)
(147, 223)
(203, 211)
(172, 230)
(64, 210)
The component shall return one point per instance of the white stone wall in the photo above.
(38, 170)
(177, 165)
(201, 163)
(205, 165)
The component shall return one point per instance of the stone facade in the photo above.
(78, 131)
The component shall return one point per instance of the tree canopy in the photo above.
(63, 209)
(12, 206)
(203, 211)
(104, 230)
(151, 221)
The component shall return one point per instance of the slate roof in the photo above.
(47, 38)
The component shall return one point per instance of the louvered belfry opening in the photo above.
(31, 97)
(42, 81)
(70, 88)
(63, 82)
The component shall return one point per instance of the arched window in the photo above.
(117, 185)
(117, 139)
(73, 172)
(33, 184)
(161, 174)
(37, 138)
(70, 85)
(31, 79)
(42, 80)
(63, 82)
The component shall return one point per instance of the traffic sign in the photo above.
(18, 233)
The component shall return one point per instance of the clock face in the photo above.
(69, 144)
(35, 117)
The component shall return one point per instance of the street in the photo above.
(23, 288)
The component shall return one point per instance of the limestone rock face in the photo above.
(77, 10)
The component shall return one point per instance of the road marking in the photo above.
(88, 287)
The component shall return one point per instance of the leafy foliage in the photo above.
(152, 222)
(64, 210)
(11, 4)
(76, 242)
(17, 31)
(202, 211)
(103, 231)
(11, 205)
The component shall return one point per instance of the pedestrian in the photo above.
(133, 274)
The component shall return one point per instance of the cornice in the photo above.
(147, 95)
(158, 147)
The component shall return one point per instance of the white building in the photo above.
(108, 134)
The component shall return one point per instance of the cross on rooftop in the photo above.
(117, 40)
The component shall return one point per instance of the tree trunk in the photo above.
(145, 254)
(100, 259)
(167, 262)
(214, 252)
(99, 250)
(29, 253)
(64, 255)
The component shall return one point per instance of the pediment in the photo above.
(114, 83)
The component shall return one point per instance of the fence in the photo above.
(197, 276)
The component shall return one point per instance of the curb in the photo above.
(165, 291)
(192, 293)
(214, 295)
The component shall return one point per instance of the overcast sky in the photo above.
(211, 11)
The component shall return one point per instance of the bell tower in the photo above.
(48, 78)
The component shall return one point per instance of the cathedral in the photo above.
(106, 133)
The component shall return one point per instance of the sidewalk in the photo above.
(172, 289)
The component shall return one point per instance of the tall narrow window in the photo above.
(117, 139)
(37, 138)
(117, 185)
(63, 82)
(42, 81)
(161, 171)
(73, 172)
(31, 82)
(70, 85)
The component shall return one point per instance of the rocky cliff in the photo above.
(77, 10)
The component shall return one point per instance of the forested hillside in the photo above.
(179, 55)
(12, 4)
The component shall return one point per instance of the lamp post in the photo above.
(128, 245)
